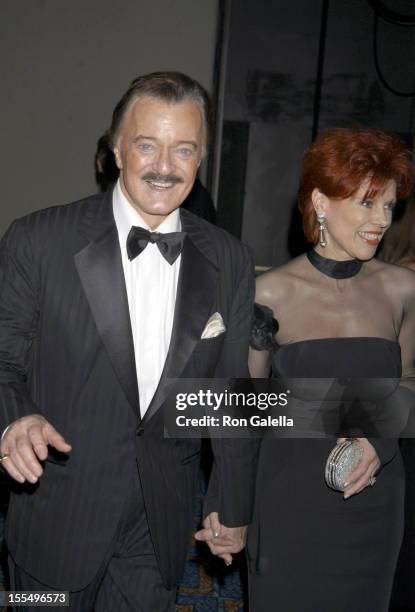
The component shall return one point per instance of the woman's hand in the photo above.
(364, 475)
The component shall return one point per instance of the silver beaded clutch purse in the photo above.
(343, 459)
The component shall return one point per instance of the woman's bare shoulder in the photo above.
(398, 280)
(278, 283)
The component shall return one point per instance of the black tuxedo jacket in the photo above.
(66, 351)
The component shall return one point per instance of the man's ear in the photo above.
(319, 201)
(117, 156)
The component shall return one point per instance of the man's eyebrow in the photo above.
(191, 143)
(142, 136)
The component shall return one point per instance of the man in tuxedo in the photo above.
(101, 303)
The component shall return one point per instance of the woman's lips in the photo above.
(372, 238)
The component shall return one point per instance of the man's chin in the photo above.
(161, 208)
(154, 214)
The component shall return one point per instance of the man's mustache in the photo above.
(162, 178)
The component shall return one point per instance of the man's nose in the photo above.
(164, 163)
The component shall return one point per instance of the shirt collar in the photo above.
(126, 217)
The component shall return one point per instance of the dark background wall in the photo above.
(64, 66)
(269, 104)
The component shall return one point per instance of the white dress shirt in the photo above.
(151, 284)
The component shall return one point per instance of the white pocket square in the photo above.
(214, 327)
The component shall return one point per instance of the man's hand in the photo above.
(363, 475)
(25, 442)
(222, 541)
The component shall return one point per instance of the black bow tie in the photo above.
(170, 245)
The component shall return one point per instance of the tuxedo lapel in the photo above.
(100, 269)
(196, 291)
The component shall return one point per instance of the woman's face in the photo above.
(355, 225)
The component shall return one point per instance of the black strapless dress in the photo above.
(309, 550)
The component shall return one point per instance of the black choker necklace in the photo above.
(334, 268)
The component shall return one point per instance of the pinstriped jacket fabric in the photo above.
(66, 352)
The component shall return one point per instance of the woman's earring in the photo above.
(321, 220)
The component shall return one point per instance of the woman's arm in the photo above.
(399, 408)
(259, 363)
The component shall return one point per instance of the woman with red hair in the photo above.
(335, 313)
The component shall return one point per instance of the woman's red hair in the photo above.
(340, 159)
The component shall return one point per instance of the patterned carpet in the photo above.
(201, 592)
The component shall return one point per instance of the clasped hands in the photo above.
(223, 541)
